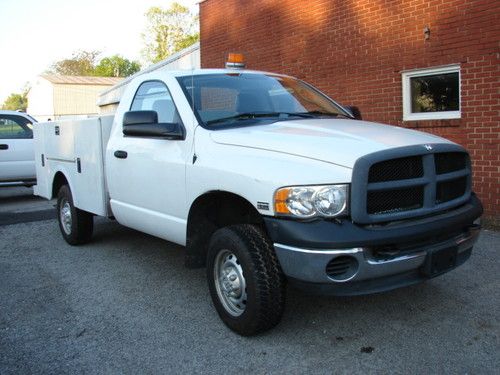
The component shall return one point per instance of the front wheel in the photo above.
(76, 225)
(245, 279)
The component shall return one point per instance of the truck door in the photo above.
(17, 157)
(146, 175)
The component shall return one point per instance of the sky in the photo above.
(36, 33)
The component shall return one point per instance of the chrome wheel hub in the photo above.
(65, 216)
(230, 283)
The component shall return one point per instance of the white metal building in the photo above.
(58, 97)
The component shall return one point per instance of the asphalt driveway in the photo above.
(125, 304)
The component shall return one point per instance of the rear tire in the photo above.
(76, 225)
(245, 279)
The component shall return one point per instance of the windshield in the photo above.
(239, 99)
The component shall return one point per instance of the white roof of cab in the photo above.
(195, 72)
(16, 113)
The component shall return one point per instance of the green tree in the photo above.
(116, 66)
(15, 102)
(84, 63)
(81, 63)
(169, 31)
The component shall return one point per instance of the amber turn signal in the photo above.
(280, 198)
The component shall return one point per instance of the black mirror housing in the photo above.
(140, 117)
(354, 111)
(145, 124)
(166, 130)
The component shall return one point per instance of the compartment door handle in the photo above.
(120, 154)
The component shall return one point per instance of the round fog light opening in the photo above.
(342, 268)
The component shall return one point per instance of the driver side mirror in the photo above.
(145, 124)
(354, 111)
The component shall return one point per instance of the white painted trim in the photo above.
(407, 75)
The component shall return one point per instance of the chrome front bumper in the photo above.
(309, 265)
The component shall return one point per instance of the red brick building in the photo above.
(363, 52)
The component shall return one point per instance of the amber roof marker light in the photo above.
(235, 61)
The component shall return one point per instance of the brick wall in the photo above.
(355, 51)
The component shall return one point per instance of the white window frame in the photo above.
(408, 115)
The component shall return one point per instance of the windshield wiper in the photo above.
(330, 114)
(254, 115)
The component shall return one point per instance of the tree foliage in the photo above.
(81, 63)
(116, 66)
(169, 31)
(85, 63)
(15, 102)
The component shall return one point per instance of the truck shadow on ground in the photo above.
(380, 314)
(12, 194)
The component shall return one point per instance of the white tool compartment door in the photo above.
(42, 171)
(89, 189)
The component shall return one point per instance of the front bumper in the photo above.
(374, 259)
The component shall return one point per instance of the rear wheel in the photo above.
(76, 225)
(245, 280)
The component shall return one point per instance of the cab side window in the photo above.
(154, 96)
(15, 127)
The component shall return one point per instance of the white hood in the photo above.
(337, 141)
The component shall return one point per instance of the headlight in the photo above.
(311, 201)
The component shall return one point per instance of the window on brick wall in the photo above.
(431, 94)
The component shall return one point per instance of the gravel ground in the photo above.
(125, 304)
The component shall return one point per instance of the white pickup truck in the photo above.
(264, 180)
(17, 158)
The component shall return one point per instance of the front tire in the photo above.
(76, 225)
(245, 279)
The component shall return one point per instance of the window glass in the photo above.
(216, 102)
(431, 93)
(239, 99)
(435, 93)
(15, 127)
(154, 96)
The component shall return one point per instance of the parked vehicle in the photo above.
(265, 180)
(17, 156)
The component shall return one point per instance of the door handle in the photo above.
(120, 154)
(4, 147)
